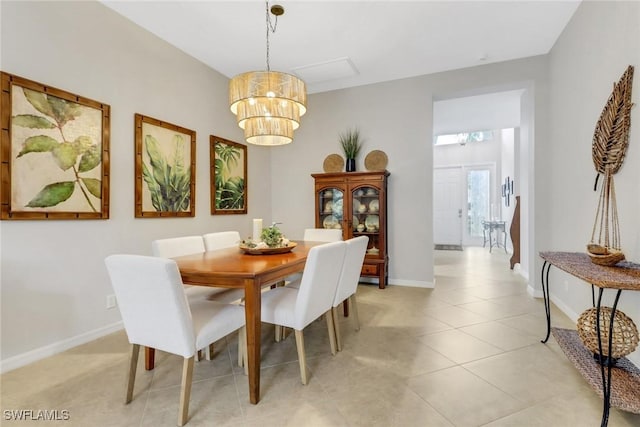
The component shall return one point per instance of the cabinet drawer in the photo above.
(370, 269)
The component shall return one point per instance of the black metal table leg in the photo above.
(606, 379)
(547, 298)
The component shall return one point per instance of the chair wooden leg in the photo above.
(149, 358)
(242, 348)
(199, 356)
(354, 308)
(332, 331)
(185, 391)
(302, 358)
(278, 333)
(210, 352)
(133, 366)
(242, 337)
(336, 327)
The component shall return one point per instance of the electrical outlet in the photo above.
(111, 301)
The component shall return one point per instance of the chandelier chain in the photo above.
(271, 28)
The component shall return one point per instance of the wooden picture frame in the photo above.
(54, 153)
(228, 176)
(165, 169)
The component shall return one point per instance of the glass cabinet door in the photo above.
(366, 216)
(330, 204)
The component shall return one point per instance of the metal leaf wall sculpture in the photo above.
(610, 141)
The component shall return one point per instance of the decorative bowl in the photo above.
(268, 251)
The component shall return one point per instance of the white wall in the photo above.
(470, 154)
(395, 117)
(507, 166)
(54, 283)
(601, 40)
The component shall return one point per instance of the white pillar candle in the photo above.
(257, 229)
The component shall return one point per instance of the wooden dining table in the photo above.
(232, 268)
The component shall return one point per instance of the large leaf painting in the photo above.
(56, 147)
(165, 169)
(228, 176)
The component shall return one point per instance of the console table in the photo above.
(498, 227)
(623, 276)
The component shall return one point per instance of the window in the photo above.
(464, 137)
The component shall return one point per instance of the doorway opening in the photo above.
(508, 112)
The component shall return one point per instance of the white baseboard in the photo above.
(58, 347)
(565, 308)
(536, 293)
(413, 283)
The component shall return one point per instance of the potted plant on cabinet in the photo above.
(351, 143)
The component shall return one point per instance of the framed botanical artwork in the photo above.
(228, 176)
(165, 169)
(54, 153)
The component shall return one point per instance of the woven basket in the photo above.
(625, 333)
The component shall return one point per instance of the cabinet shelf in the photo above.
(625, 376)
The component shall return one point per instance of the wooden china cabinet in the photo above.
(356, 202)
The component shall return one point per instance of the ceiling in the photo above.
(338, 44)
(497, 110)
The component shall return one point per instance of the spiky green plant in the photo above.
(351, 143)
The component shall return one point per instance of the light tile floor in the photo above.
(466, 353)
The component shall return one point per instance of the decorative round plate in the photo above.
(376, 161)
(337, 209)
(330, 222)
(268, 251)
(333, 163)
(372, 222)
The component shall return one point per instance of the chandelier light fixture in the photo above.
(268, 104)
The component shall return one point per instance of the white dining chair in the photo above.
(188, 245)
(297, 308)
(348, 282)
(315, 235)
(322, 235)
(177, 246)
(221, 240)
(156, 313)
